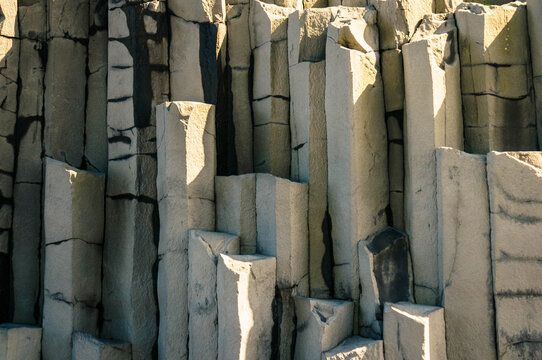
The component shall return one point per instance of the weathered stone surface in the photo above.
(309, 162)
(308, 4)
(199, 11)
(464, 254)
(447, 6)
(204, 248)
(307, 33)
(396, 171)
(68, 19)
(356, 143)
(496, 78)
(321, 325)
(88, 347)
(185, 135)
(20, 342)
(356, 348)
(245, 291)
(515, 207)
(414, 332)
(353, 3)
(385, 276)
(236, 209)
(534, 12)
(433, 119)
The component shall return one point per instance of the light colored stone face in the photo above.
(199, 11)
(20, 342)
(321, 325)
(515, 205)
(203, 251)
(236, 209)
(185, 133)
(87, 347)
(433, 119)
(385, 273)
(465, 280)
(356, 143)
(414, 332)
(496, 78)
(356, 348)
(245, 292)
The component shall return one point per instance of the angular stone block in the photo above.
(20, 342)
(245, 292)
(385, 273)
(203, 251)
(88, 347)
(356, 145)
(433, 119)
(321, 325)
(199, 11)
(353, 3)
(498, 99)
(236, 209)
(185, 135)
(515, 208)
(464, 254)
(356, 348)
(414, 332)
(68, 19)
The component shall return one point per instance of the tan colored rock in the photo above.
(496, 77)
(352, 3)
(199, 11)
(356, 143)
(20, 342)
(245, 292)
(515, 208)
(88, 347)
(356, 348)
(385, 273)
(236, 209)
(534, 11)
(464, 255)
(308, 4)
(446, 6)
(185, 133)
(321, 325)
(433, 119)
(414, 332)
(204, 248)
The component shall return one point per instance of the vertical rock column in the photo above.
(27, 190)
(137, 81)
(9, 63)
(397, 21)
(281, 214)
(515, 197)
(433, 119)
(271, 89)
(465, 280)
(73, 223)
(496, 78)
(534, 13)
(356, 143)
(186, 172)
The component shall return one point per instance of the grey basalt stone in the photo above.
(88, 347)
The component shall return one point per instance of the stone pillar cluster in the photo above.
(276, 179)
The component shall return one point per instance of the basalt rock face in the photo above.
(276, 179)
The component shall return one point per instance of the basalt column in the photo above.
(137, 81)
(534, 13)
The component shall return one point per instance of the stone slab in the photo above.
(20, 342)
(88, 347)
(356, 348)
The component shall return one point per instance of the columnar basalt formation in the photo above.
(433, 119)
(356, 347)
(19, 342)
(465, 281)
(88, 347)
(496, 78)
(534, 11)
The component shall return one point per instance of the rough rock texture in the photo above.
(245, 291)
(356, 348)
(281, 214)
(20, 342)
(185, 135)
(203, 251)
(433, 119)
(465, 280)
(87, 347)
(515, 189)
(496, 78)
(353, 3)
(199, 11)
(236, 209)
(385, 273)
(137, 64)
(356, 139)
(321, 325)
(534, 12)
(414, 332)
(270, 91)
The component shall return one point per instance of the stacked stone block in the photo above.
(20, 342)
(88, 347)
